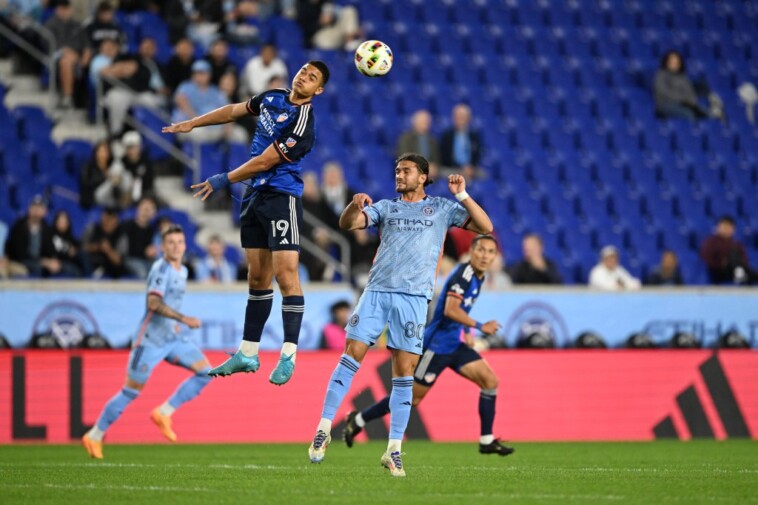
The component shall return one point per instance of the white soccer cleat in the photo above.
(317, 450)
(394, 463)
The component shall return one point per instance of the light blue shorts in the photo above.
(404, 315)
(144, 358)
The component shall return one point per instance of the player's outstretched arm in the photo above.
(454, 311)
(480, 221)
(155, 303)
(264, 161)
(225, 114)
(353, 218)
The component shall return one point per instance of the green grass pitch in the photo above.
(694, 472)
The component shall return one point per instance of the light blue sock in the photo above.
(190, 388)
(401, 400)
(115, 407)
(339, 385)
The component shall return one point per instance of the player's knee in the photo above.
(491, 382)
(202, 375)
(288, 281)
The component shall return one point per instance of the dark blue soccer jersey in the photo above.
(292, 130)
(443, 335)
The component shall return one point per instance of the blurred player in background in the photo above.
(443, 349)
(157, 340)
(401, 281)
(272, 210)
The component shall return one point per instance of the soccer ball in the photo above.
(373, 58)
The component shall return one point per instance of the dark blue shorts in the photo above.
(431, 365)
(271, 220)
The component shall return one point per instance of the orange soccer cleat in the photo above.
(164, 424)
(93, 447)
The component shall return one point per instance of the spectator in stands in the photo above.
(104, 181)
(176, 18)
(102, 27)
(675, 94)
(334, 335)
(243, 23)
(30, 243)
(260, 69)
(137, 164)
(101, 246)
(198, 96)
(206, 19)
(218, 57)
(725, 256)
(134, 78)
(147, 51)
(334, 188)
(535, 268)
(497, 277)
(139, 249)
(179, 67)
(106, 53)
(66, 245)
(667, 273)
(420, 140)
(461, 146)
(363, 245)
(4, 263)
(277, 82)
(215, 267)
(71, 49)
(609, 275)
(315, 205)
(329, 26)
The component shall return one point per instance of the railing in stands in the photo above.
(343, 265)
(45, 59)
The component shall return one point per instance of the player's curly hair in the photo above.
(421, 163)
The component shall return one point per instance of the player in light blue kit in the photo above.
(157, 340)
(400, 286)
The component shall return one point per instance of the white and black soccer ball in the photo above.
(373, 58)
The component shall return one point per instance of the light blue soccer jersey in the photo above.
(412, 235)
(169, 284)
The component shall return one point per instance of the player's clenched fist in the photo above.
(490, 327)
(361, 200)
(456, 183)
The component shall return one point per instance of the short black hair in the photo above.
(483, 237)
(421, 163)
(321, 66)
(174, 228)
(726, 218)
(665, 59)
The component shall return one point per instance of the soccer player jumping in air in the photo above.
(272, 211)
(157, 340)
(443, 349)
(399, 288)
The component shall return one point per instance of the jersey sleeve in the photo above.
(457, 284)
(374, 213)
(457, 215)
(157, 279)
(253, 105)
(296, 140)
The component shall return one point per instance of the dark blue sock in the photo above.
(487, 399)
(292, 317)
(115, 407)
(256, 314)
(377, 410)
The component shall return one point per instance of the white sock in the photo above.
(289, 349)
(325, 425)
(166, 409)
(359, 420)
(394, 446)
(486, 439)
(96, 434)
(249, 348)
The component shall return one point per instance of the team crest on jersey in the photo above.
(291, 142)
(282, 117)
(428, 211)
(430, 377)
(354, 320)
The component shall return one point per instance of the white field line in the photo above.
(109, 487)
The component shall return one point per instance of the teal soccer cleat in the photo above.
(283, 371)
(237, 363)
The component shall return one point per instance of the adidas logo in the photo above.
(394, 210)
(338, 382)
(270, 98)
(407, 403)
(284, 241)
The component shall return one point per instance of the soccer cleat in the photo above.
(237, 363)
(283, 371)
(394, 463)
(495, 447)
(351, 429)
(93, 447)
(164, 424)
(317, 450)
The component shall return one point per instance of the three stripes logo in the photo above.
(694, 413)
